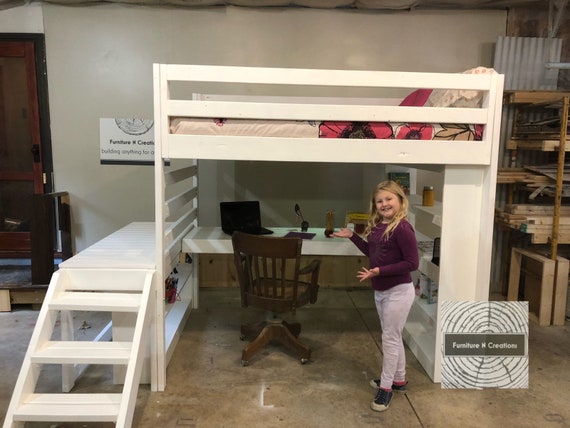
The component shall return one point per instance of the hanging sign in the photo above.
(126, 141)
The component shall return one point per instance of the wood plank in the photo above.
(543, 220)
(514, 275)
(559, 294)
(545, 239)
(20, 296)
(531, 97)
(550, 171)
(5, 301)
(541, 145)
(539, 278)
(535, 209)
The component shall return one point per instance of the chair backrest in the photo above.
(268, 271)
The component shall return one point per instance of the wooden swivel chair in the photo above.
(268, 270)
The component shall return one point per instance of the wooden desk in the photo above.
(212, 240)
(211, 249)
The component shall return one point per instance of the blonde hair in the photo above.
(375, 217)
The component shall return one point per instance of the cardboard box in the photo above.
(360, 220)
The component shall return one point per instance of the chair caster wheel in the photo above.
(304, 360)
(244, 363)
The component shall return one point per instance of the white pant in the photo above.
(393, 306)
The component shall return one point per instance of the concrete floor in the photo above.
(208, 387)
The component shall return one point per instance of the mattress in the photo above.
(328, 129)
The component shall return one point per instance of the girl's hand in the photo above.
(365, 274)
(343, 233)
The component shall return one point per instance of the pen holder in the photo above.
(329, 229)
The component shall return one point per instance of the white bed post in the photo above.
(158, 345)
(467, 225)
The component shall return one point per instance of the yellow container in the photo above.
(428, 196)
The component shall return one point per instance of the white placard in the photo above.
(126, 141)
(485, 345)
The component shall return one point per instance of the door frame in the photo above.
(38, 41)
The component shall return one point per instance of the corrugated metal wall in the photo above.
(522, 61)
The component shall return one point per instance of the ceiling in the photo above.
(322, 4)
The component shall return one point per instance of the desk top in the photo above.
(212, 240)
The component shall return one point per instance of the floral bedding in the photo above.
(329, 129)
(360, 130)
(401, 131)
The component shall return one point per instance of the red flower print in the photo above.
(414, 131)
(370, 130)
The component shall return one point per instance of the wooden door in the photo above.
(21, 171)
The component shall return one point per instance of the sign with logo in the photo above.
(126, 141)
(484, 345)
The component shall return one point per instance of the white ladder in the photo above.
(96, 290)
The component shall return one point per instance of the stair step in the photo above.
(69, 408)
(96, 301)
(66, 352)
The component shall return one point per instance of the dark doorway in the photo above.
(25, 146)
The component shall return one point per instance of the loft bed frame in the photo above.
(469, 166)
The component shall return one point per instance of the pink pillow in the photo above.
(417, 98)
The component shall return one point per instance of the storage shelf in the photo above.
(176, 313)
(420, 334)
(421, 326)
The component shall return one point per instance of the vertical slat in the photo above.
(252, 270)
(283, 275)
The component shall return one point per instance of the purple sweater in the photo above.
(397, 257)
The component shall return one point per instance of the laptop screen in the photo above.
(242, 215)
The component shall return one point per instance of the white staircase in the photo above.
(117, 291)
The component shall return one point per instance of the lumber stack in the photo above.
(537, 180)
(536, 220)
(520, 175)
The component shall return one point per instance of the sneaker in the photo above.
(382, 400)
(402, 389)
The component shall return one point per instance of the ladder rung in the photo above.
(95, 301)
(67, 352)
(69, 408)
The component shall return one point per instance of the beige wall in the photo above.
(99, 61)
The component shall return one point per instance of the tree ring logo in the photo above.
(135, 126)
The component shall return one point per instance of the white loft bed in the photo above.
(469, 166)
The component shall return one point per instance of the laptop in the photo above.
(244, 216)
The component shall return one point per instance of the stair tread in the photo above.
(69, 408)
(109, 302)
(83, 352)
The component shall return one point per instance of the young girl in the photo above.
(392, 251)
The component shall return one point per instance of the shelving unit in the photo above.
(420, 331)
(540, 125)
